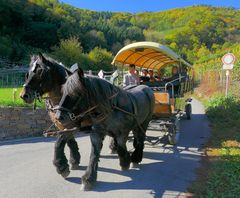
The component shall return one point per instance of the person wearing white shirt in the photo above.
(131, 78)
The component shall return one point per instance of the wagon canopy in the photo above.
(148, 55)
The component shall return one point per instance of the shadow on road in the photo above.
(152, 176)
(168, 169)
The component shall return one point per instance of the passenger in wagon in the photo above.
(151, 76)
(131, 78)
(159, 76)
(175, 74)
(144, 77)
(175, 79)
(184, 75)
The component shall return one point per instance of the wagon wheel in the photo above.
(188, 110)
(172, 137)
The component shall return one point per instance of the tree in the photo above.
(116, 47)
(5, 47)
(69, 51)
(40, 34)
(94, 39)
(101, 59)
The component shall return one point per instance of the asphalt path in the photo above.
(26, 169)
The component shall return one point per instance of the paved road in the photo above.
(26, 169)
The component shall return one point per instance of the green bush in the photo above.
(101, 58)
(69, 51)
(225, 110)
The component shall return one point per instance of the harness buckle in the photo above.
(72, 116)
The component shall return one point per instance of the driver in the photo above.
(175, 74)
(131, 78)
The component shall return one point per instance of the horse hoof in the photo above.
(125, 168)
(86, 187)
(65, 173)
(74, 167)
(134, 165)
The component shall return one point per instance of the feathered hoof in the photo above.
(65, 173)
(86, 187)
(134, 165)
(124, 168)
(75, 167)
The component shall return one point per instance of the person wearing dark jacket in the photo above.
(144, 77)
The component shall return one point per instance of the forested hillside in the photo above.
(200, 34)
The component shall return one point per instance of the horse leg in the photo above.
(113, 146)
(60, 160)
(90, 176)
(74, 153)
(138, 144)
(139, 137)
(124, 156)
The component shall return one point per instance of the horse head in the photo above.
(85, 98)
(74, 99)
(40, 78)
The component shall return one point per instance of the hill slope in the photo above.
(194, 32)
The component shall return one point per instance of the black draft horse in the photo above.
(46, 75)
(113, 111)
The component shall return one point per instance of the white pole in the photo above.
(227, 78)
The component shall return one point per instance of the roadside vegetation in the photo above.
(9, 97)
(219, 175)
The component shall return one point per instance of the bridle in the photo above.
(36, 94)
(43, 76)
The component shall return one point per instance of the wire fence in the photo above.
(215, 81)
(16, 77)
(12, 77)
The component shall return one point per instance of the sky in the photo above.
(135, 6)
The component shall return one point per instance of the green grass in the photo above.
(7, 98)
(222, 177)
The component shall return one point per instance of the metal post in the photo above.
(227, 78)
(14, 96)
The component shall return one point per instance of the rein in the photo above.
(72, 116)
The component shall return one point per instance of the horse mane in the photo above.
(51, 62)
(59, 69)
(97, 91)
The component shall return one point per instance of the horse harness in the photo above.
(88, 112)
(73, 117)
(83, 114)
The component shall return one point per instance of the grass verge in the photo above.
(10, 97)
(219, 175)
